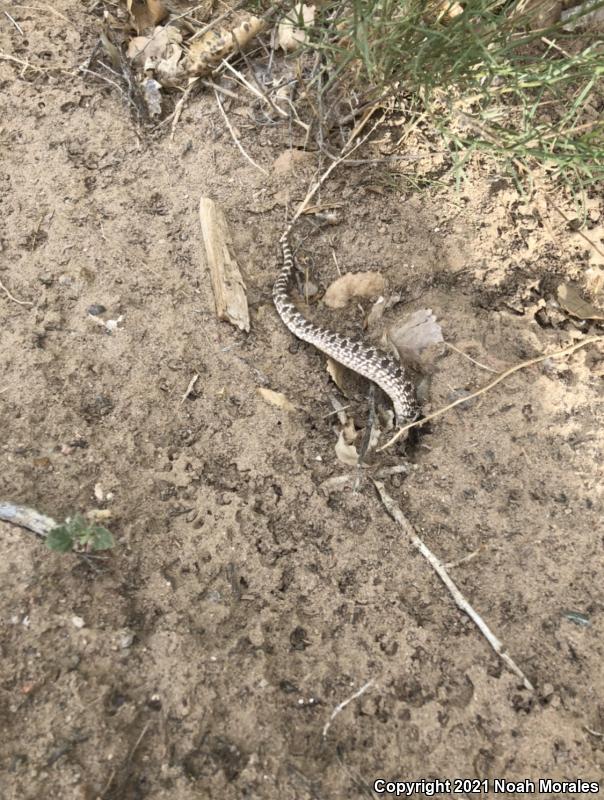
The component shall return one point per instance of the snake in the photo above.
(370, 362)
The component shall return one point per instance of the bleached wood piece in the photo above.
(227, 283)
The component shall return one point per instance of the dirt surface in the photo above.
(244, 601)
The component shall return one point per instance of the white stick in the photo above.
(460, 600)
(343, 705)
(235, 139)
(192, 383)
(26, 518)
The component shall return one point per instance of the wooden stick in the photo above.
(460, 601)
(227, 282)
(26, 517)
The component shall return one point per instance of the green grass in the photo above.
(486, 79)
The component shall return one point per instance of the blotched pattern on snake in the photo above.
(370, 362)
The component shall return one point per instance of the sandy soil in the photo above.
(243, 602)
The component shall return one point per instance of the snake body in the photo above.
(370, 362)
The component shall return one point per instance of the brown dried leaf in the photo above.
(571, 301)
(275, 399)
(417, 332)
(358, 284)
(375, 313)
(146, 51)
(289, 35)
(337, 373)
(146, 14)
(346, 453)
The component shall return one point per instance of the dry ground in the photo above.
(242, 602)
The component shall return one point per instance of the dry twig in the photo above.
(16, 24)
(235, 139)
(180, 105)
(190, 388)
(14, 299)
(347, 150)
(341, 706)
(461, 602)
(473, 360)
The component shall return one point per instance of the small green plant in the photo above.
(77, 533)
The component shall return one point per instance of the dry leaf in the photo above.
(145, 14)
(417, 332)
(337, 373)
(571, 301)
(289, 35)
(168, 70)
(349, 431)
(346, 453)
(358, 284)
(275, 399)
(146, 51)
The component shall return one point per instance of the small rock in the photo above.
(96, 309)
(78, 622)
(112, 324)
(126, 640)
(547, 690)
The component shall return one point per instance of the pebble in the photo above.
(126, 640)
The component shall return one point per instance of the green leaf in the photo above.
(77, 533)
(101, 538)
(60, 539)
